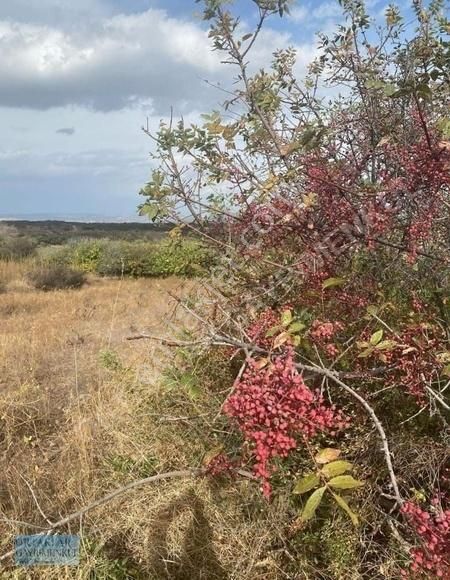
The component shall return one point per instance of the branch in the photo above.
(438, 398)
(220, 339)
(195, 472)
(112, 495)
(166, 341)
(385, 445)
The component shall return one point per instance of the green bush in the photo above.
(135, 259)
(127, 258)
(183, 258)
(86, 255)
(55, 277)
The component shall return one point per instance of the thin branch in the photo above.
(112, 495)
(438, 398)
(50, 523)
(385, 445)
(195, 472)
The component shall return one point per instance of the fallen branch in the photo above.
(112, 495)
(195, 472)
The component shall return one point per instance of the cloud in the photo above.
(102, 67)
(66, 131)
(120, 61)
(61, 13)
(316, 14)
(116, 62)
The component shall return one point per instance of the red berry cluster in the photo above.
(414, 359)
(272, 406)
(323, 332)
(432, 527)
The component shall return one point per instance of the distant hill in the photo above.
(59, 232)
(75, 217)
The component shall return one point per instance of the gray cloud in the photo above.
(122, 60)
(66, 131)
(118, 61)
(89, 65)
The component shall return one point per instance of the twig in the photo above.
(195, 472)
(112, 495)
(385, 445)
(165, 341)
(438, 398)
(50, 523)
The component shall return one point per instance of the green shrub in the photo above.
(86, 255)
(136, 259)
(54, 277)
(183, 258)
(126, 258)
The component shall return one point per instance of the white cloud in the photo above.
(84, 69)
(123, 59)
(117, 62)
(299, 14)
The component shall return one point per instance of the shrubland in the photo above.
(328, 199)
(305, 395)
(183, 257)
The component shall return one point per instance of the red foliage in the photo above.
(414, 362)
(273, 406)
(432, 527)
(323, 332)
(258, 329)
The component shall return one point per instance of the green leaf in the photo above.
(366, 352)
(376, 337)
(446, 371)
(345, 482)
(286, 318)
(344, 505)
(389, 89)
(326, 455)
(273, 330)
(330, 282)
(386, 345)
(190, 383)
(336, 468)
(306, 483)
(296, 327)
(247, 36)
(312, 504)
(372, 310)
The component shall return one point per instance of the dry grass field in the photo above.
(84, 411)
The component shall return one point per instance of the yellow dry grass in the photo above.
(83, 411)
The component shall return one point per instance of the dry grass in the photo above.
(83, 411)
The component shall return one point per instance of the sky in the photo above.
(79, 78)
